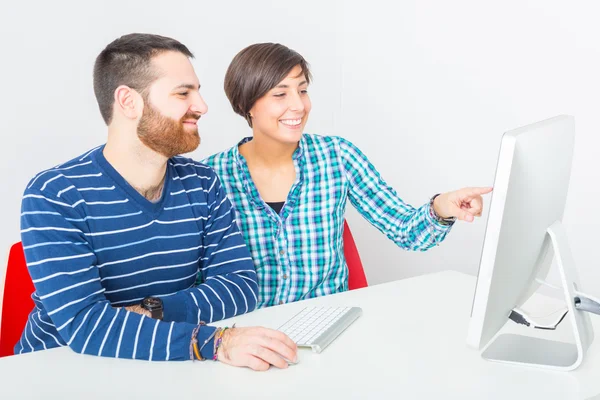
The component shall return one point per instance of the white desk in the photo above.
(421, 354)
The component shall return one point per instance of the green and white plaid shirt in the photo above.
(299, 253)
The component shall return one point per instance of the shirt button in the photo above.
(280, 302)
(282, 252)
(285, 276)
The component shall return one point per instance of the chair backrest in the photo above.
(17, 303)
(356, 273)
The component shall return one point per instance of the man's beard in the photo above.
(165, 135)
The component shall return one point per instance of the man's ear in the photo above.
(128, 102)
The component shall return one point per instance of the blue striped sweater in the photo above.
(93, 245)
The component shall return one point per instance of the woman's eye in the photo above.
(279, 95)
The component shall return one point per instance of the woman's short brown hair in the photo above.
(257, 69)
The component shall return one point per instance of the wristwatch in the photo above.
(154, 305)
(434, 215)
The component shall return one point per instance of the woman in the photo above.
(290, 189)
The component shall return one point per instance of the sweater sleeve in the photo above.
(227, 280)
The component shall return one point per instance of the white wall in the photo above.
(430, 86)
(425, 88)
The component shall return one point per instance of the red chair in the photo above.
(356, 273)
(17, 303)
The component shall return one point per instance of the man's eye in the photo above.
(183, 94)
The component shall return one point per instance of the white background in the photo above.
(425, 88)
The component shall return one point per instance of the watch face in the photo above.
(152, 302)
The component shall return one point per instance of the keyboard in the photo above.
(317, 327)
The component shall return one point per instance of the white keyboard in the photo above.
(317, 327)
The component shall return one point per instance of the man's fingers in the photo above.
(270, 357)
(256, 363)
(280, 348)
(258, 348)
(282, 337)
(251, 356)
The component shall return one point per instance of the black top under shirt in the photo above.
(276, 206)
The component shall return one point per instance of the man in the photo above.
(118, 234)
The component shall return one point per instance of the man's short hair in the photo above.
(257, 69)
(127, 61)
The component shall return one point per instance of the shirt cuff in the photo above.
(440, 228)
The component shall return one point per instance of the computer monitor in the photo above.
(524, 223)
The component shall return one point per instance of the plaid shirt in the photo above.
(299, 253)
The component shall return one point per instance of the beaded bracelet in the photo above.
(218, 341)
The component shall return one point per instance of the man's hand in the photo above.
(464, 204)
(257, 348)
(139, 310)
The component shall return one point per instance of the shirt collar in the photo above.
(298, 154)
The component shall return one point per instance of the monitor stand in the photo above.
(537, 352)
